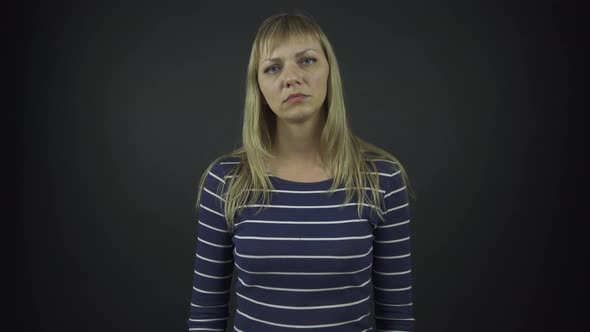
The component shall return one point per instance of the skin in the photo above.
(298, 125)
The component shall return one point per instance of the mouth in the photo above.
(296, 96)
(296, 99)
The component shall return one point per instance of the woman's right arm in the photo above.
(213, 262)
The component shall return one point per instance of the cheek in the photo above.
(321, 81)
(267, 89)
(264, 89)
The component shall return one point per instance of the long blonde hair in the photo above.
(342, 151)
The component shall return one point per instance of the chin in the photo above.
(298, 115)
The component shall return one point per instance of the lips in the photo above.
(294, 95)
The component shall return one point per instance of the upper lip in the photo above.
(294, 95)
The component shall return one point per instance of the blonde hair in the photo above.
(342, 152)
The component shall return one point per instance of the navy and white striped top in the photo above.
(306, 262)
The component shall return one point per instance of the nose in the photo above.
(292, 75)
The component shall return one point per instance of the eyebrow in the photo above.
(298, 54)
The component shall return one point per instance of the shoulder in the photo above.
(220, 168)
(223, 165)
(390, 172)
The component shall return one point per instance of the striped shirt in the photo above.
(306, 262)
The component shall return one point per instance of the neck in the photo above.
(298, 144)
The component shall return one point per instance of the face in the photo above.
(299, 66)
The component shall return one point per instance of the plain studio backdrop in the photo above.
(127, 103)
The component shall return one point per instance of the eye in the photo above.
(268, 69)
(314, 60)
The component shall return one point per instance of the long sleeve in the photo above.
(392, 267)
(213, 262)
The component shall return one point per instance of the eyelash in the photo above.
(267, 69)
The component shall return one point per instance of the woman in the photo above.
(311, 218)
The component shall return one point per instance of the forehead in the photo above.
(283, 47)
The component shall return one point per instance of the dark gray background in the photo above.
(127, 103)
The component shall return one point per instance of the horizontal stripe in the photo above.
(301, 256)
(304, 289)
(394, 191)
(215, 245)
(273, 222)
(213, 260)
(213, 228)
(394, 241)
(308, 206)
(301, 326)
(396, 208)
(393, 305)
(393, 289)
(217, 177)
(212, 277)
(213, 194)
(376, 173)
(304, 307)
(209, 306)
(306, 273)
(207, 320)
(211, 210)
(394, 225)
(392, 257)
(263, 238)
(305, 192)
(392, 273)
(392, 318)
(210, 292)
